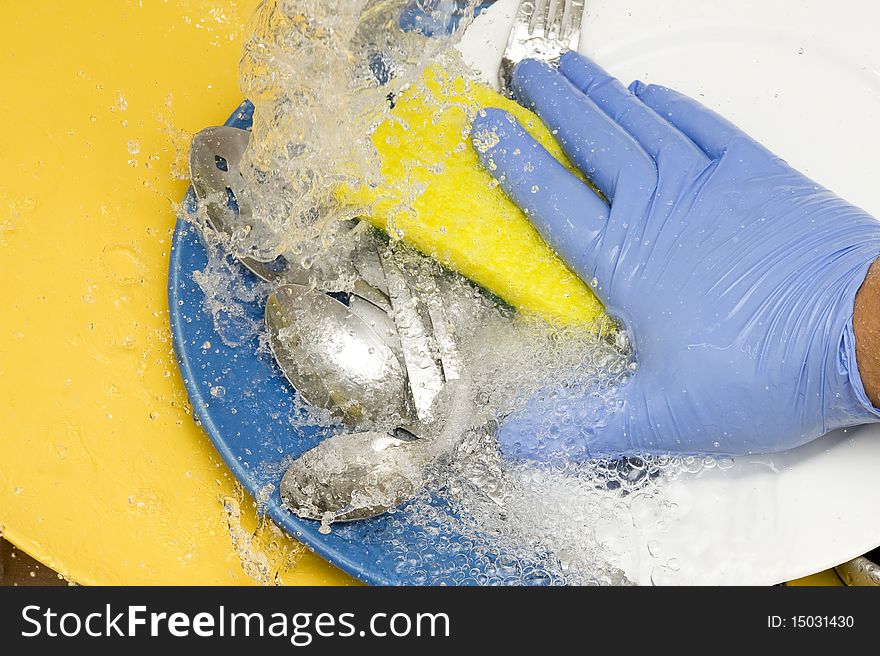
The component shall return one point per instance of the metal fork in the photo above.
(543, 29)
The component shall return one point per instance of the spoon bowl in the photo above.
(355, 476)
(334, 357)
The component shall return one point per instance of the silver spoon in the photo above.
(335, 358)
(214, 158)
(356, 475)
(352, 476)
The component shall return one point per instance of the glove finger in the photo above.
(658, 137)
(569, 215)
(604, 152)
(636, 418)
(574, 424)
(712, 133)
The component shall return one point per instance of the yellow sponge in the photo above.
(438, 198)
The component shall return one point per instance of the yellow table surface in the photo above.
(104, 476)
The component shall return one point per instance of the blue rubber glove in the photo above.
(437, 17)
(733, 274)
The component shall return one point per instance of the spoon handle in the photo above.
(413, 325)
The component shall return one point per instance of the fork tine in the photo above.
(555, 14)
(542, 29)
(571, 25)
(537, 24)
(565, 20)
(525, 15)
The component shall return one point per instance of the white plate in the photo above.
(801, 77)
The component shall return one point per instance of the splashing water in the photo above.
(265, 555)
(322, 77)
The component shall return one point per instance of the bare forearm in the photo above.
(866, 322)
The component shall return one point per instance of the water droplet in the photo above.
(123, 263)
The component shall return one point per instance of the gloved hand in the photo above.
(733, 274)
